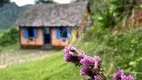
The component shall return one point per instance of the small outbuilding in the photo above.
(53, 24)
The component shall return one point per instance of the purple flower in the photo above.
(97, 58)
(67, 56)
(67, 47)
(118, 74)
(130, 77)
(66, 50)
(81, 54)
(86, 61)
(96, 77)
(83, 71)
(124, 77)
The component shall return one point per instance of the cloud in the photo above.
(63, 1)
(23, 2)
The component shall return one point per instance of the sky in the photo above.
(24, 2)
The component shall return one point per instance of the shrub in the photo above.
(9, 37)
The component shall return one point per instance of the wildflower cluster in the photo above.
(121, 76)
(91, 65)
(71, 54)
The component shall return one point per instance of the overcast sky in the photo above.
(24, 2)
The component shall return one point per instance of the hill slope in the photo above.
(10, 13)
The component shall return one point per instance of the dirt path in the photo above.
(12, 57)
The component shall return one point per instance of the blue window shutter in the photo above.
(26, 32)
(35, 32)
(58, 33)
(68, 32)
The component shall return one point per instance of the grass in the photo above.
(13, 46)
(51, 68)
(119, 50)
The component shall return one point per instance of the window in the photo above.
(30, 32)
(63, 32)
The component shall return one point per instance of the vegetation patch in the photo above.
(9, 37)
(117, 48)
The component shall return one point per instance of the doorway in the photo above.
(47, 35)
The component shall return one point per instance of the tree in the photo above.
(111, 13)
(3, 2)
(95, 5)
(44, 1)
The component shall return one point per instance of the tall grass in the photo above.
(119, 49)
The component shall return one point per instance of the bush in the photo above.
(9, 37)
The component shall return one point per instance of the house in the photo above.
(53, 24)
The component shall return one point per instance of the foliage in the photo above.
(117, 48)
(114, 13)
(104, 19)
(95, 6)
(111, 13)
(9, 37)
(121, 7)
(139, 69)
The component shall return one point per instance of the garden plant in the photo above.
(91, 65)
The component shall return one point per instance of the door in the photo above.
(47, 35)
